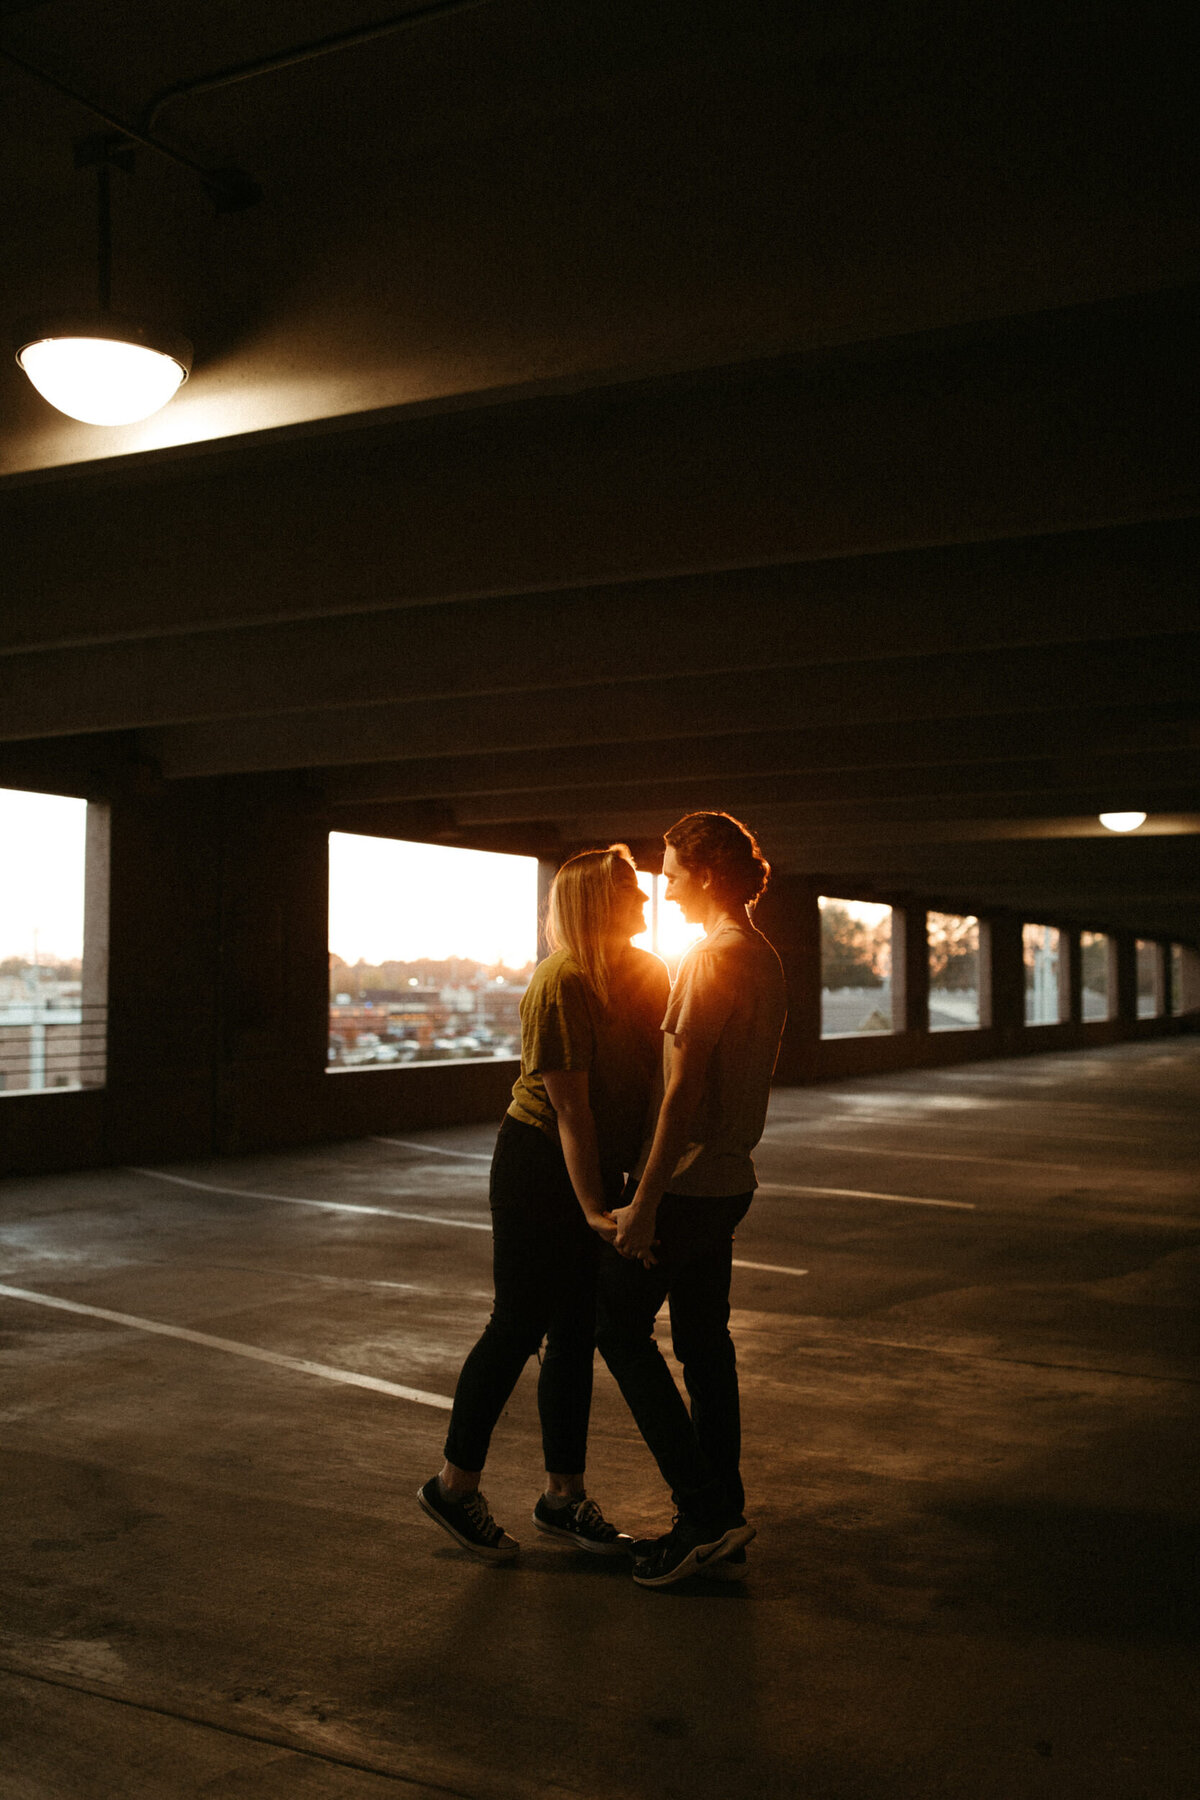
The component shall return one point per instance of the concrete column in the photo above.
(1002, 975)
(93, 1030)
(546, 873)
(1125, 953)
(1113, 989)
(910, 969)
(788, 914)
(1070, 977)
(1189, 984)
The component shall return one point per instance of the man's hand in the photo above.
(634, 1234)
(603, 1224)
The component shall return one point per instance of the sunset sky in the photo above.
(387, 899)
(41, 874)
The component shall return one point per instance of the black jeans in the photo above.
(544, 1257)
(698, 1456)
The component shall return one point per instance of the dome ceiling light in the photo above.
(1122, 821)
(106, 370)
(98, 367)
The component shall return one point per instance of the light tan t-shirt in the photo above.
(564, 1026)
(729, 997)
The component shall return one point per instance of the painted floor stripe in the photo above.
(993, 1162)
(347, 1376)
(382, 1212)
(768, 1268)
(779, 1187)
(435, 1149)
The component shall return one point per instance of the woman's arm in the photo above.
(567, 1090)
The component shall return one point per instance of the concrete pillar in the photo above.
(546, 873)
(93, 1029)
(1124, 949)
(1188, 999)
(1002, 975)
(1070, 977)
(910, 970)
(788, 914)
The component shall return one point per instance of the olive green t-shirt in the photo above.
(564, 1026)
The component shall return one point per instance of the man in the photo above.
(695, 1182)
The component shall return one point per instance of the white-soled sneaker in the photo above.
(580, 1522)
(688, 1549)
(468, 1522)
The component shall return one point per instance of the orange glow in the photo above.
(667, 933)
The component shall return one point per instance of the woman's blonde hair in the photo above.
(579, 918)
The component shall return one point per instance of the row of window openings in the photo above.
(856, 973)
(457, 1006)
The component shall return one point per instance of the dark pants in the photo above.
(544, 1257)
(698, 1456)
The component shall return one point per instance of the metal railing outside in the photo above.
(51, 1044)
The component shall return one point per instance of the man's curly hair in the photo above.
(727, 850)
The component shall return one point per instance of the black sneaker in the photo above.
(580, 1522)
(468, 1521)
(688, 1549)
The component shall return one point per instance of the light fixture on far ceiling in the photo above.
(104, 370)
(1122, 821)
(98, 367)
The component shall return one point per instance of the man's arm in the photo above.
(567, 1090)
(685, 1084)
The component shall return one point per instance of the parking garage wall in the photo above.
(218, 993)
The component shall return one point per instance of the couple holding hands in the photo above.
(626, 1074)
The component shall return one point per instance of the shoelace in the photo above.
(476, 1509)
(589, 1514)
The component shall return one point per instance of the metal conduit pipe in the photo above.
(230, 189)
(286, 59)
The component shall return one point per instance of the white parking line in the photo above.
(994, 1162)
(383, 1212)
(347, 1376)
(434, 1149)
(768, 1268)
(778, 1187)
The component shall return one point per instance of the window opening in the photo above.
(1043, 971)
(856, 968)
(1176, 974)
(1147, 979)
(430, 950)
(53, 942)
(1095, 952)
(953, 971)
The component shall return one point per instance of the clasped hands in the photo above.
(630, 1231)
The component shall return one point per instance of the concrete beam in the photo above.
(297, 668)
(1038, 748)
(1059, 422)
(1046, 786)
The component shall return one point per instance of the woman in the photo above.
(590, 1047)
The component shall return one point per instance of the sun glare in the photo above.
(42, 840)
(667, 932)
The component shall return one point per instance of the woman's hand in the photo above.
(603, 1224)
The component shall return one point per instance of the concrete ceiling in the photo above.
(610, 411)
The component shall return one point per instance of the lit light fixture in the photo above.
(1122, 821)
(98, 367)
(104, 370)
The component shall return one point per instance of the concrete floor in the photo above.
(970, 1388)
